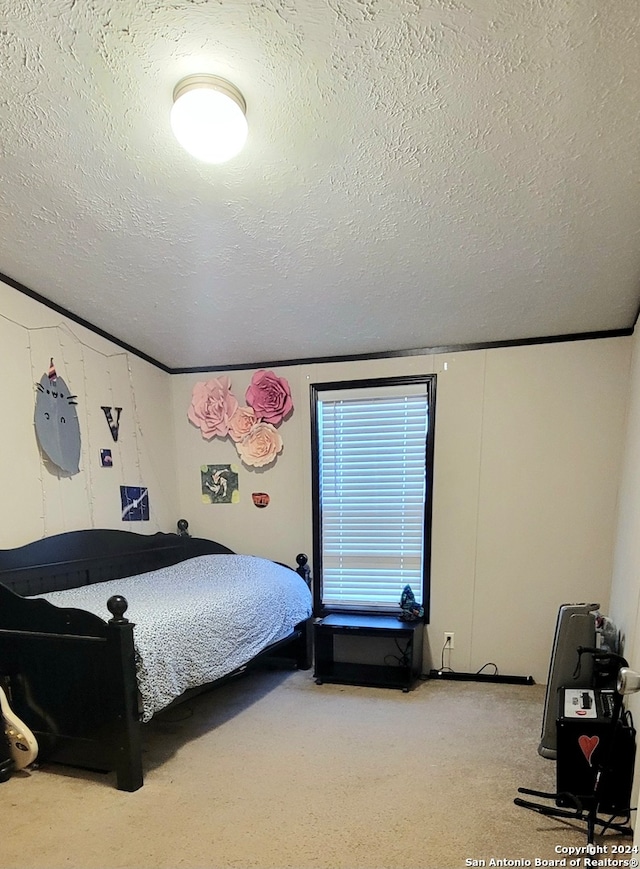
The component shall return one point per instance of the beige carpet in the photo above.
(273, 771)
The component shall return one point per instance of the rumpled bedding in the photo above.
(198, 620)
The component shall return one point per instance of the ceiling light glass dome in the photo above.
(208, 118)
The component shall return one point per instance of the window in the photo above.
(372, 472)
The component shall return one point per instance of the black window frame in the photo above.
(319, 608)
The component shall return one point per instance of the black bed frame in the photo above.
(70, 675)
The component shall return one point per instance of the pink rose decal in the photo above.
(260, 446)
(216, 412)
(269, 396)
(241, 423)
(212, 406)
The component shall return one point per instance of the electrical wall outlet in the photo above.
(448, 640)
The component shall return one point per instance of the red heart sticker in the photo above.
(588, 745)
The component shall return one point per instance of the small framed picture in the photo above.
(134, 501)
(219, 484)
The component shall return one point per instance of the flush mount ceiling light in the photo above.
(208, 118)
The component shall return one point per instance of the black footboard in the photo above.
(70, 676)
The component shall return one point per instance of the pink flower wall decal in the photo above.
(260, 446)
(241, 423)
(269, 396)
(212, 406)
(215, 410)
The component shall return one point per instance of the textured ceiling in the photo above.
(418, 173)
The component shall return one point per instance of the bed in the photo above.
(102, 629)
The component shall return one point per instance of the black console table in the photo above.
(407, 648)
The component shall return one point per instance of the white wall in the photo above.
(37, 499)
(527, 455)
(625, 589)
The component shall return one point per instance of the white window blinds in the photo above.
(372, 470)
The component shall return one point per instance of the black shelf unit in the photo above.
(407, 635)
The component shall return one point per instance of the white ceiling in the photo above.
(418, 173)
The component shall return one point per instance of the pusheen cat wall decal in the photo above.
(56, 422)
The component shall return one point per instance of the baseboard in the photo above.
(481, 677)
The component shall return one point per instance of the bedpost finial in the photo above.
(303, 568)
(183, 528)
(117, 606)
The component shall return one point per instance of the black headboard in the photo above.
(78, 558)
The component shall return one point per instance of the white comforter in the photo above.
(198, 620)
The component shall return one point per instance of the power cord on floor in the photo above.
(489, 664)
(444, 669)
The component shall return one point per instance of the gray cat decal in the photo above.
(56, 422)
